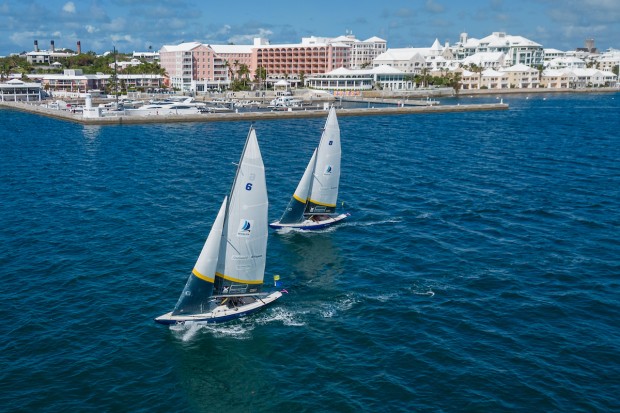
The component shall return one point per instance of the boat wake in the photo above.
(329, 310)
(287, 317)
(186, 332)
(371, 223)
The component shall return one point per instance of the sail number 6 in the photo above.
(248, 186)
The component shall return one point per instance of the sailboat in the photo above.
(313, 204)
(227, 279)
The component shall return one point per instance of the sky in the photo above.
(130, 25)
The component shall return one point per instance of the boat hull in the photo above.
(222, 313)
(310, 224)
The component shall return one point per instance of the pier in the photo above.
(245, 116)
(389, 101)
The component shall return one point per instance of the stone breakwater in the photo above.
(245, 116)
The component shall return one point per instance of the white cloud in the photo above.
(434, 7)
(69, 7)
(91, 29)
(249, 38)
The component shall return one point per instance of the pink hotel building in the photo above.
(210, 66)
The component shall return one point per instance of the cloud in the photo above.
(433, 7)
(69, 7)
(91, 29)
(249, 38)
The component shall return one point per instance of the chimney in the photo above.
(52, 45)
(79, 47)
(36, 46)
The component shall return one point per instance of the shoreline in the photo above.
(246, 116)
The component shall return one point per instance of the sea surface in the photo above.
(479, 270)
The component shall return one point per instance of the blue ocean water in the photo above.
(479, 270)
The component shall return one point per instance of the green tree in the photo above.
(244, 74)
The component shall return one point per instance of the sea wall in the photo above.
(245, 116)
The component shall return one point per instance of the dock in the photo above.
(247, 116)
(389, 101)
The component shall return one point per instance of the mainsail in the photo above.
(242, 255)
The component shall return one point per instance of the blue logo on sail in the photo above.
(328, 170)
(245, 227)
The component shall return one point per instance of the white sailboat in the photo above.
(313, 204)
(226, 282)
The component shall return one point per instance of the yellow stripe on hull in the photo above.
(226, 277)
(202, 277)
(303, 201)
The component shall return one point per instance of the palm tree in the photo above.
(425, 77)
(236, 65)
(476, 69)
(244, 72)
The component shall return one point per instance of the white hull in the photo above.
(310, 224)
(223, 312)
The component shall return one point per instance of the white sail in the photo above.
(199, 287)
(303, 188)
(207, 260)
(326, 176)
(244, 246)
(294, 212)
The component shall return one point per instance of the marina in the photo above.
(250, 115)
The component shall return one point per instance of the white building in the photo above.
(362, 52)
(570, 62)
(580, 78)
(550, 54)
(16, 90)
(149, 57)
(517, 49)
(357, 80)
(608, 60)
(485, 60)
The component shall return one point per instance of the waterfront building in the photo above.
(581, 78)
(140, 81)
(74, 81)
(522, 76)
(555, 78)
(190, 61)
(17, 90)
(294, 60)
(234, 57)
(358, 80)
(469, 80)
(494, 79)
